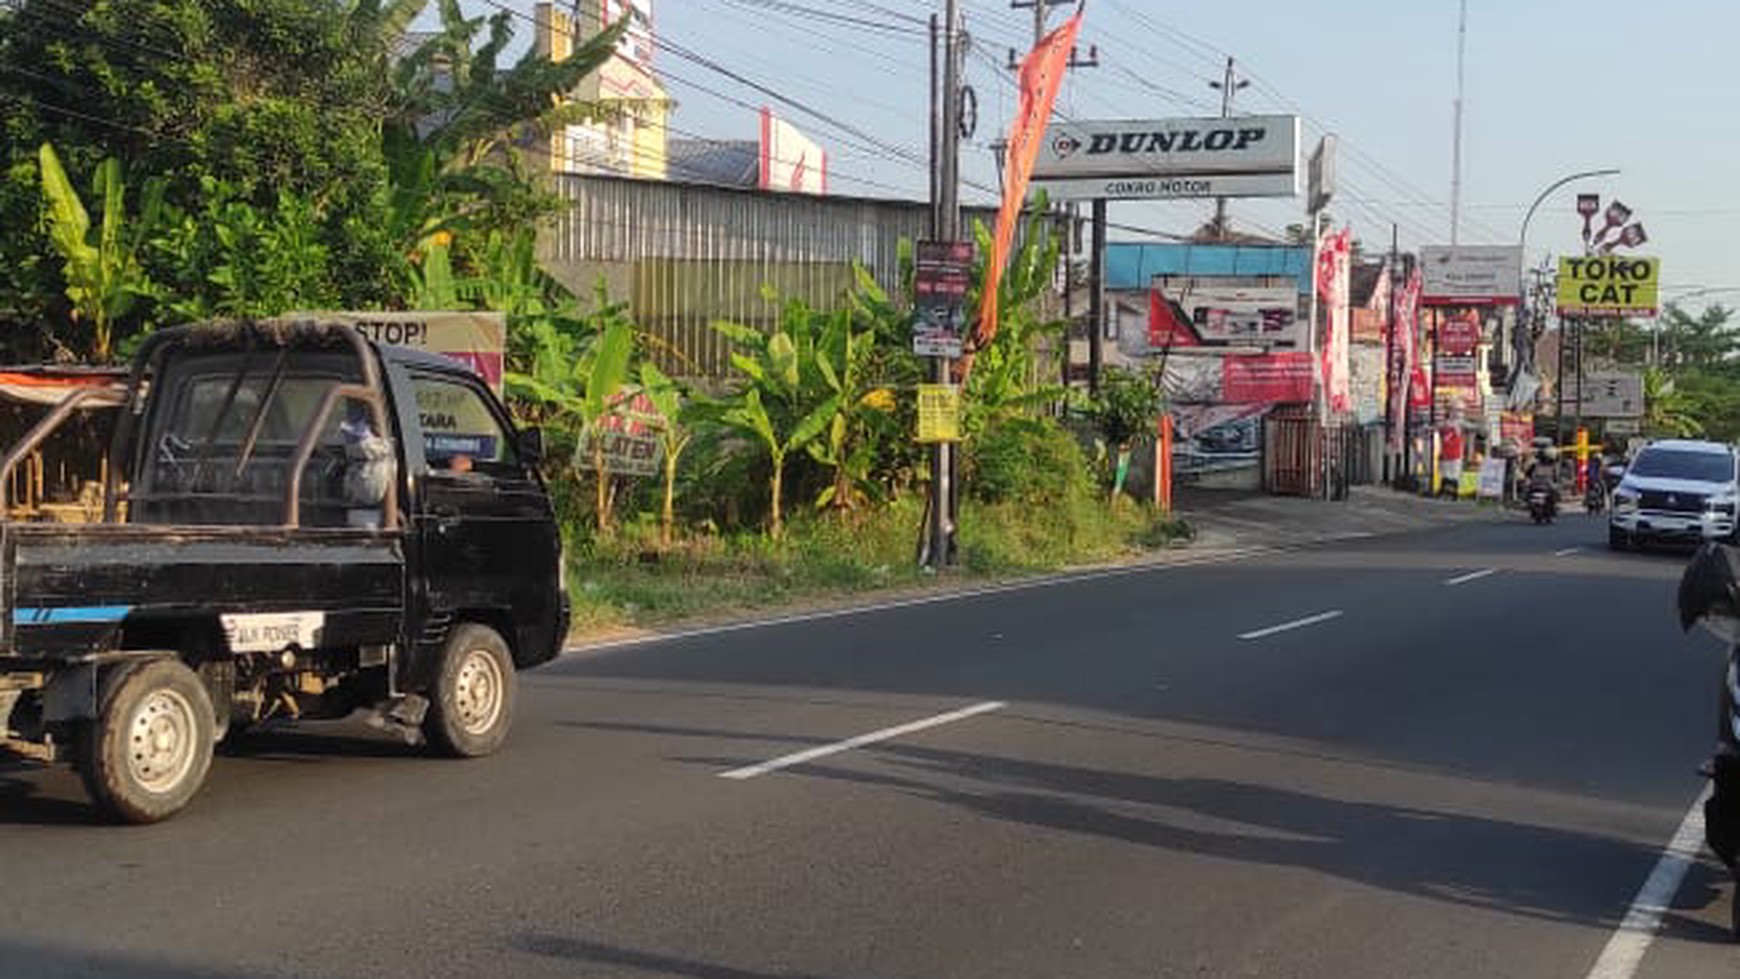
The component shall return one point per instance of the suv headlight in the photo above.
(1624, 502)
(1720, 504)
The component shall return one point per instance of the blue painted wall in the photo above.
(1133, 265)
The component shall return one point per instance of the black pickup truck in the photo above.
(297, 523)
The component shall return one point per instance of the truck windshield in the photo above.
(1703, 467)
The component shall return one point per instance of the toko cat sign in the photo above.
(1609, 285)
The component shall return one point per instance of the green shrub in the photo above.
(1026, 460)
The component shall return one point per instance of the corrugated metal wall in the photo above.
(685, 255)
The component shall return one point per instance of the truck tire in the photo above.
(471, 706)
(148, 751)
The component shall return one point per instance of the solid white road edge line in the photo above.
(1045, 581)
(1566, 552)
(787, 761)
(1471, 576)
(1295, 624)
(1625, 950)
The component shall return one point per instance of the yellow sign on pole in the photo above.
(939, 413)
(1609, 285)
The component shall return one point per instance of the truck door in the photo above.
(487, 540)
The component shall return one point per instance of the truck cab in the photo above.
(297, 523)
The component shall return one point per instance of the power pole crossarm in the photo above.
(1229, 85)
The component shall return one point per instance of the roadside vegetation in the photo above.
(168, 161)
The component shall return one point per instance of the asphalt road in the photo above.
(1432, 772)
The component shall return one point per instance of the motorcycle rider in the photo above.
(1543, 475)
(1595, 493)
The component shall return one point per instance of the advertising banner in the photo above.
(1613, 395)
(630, 436)
(1609, 285)
(1471, 275)
(1217, 438)
(1406, 359)
(1459, 333)
(1217, 314)
(1334, 263)
(1267, 378)
(790, 161)
(942, 271)
(939, 413)
(1457, 370)
(477, 340)
(1457, 361)
(1517, 426)
(1161, 157)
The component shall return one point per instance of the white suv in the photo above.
(1678, 490)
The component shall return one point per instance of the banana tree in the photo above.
(847, 446)
(104, 278)
(784, 403)
(671, 401)
(751, 416)
(574, 379)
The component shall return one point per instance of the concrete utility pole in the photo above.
(945, 116)
(1228, 86)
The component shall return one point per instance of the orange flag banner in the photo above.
(1040, 78)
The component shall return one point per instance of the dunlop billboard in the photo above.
(1609, 285)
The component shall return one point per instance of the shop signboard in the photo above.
(1247, 156)
(1609, 285)
(1612, 395)
(1471, 275)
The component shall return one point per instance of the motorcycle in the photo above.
(1595, 500)
(1709, 595)
(1543, 503)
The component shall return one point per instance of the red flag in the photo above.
(1040, 78)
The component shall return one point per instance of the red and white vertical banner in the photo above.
(1334, 269)
(1406, 340)
(1040, 78)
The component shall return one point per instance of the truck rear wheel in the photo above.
(472, 705)
(149, 749)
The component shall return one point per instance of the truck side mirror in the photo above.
(531, 446)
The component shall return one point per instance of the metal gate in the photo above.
(1302, 457)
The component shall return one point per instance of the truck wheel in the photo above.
(149, 749)
(472, 705)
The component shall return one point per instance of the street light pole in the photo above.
(1523, 326)
(1523, 237)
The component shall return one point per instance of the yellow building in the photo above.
(629, 141)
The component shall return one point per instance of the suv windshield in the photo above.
(1705, 467)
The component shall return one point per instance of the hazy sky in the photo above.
(1552, 88)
